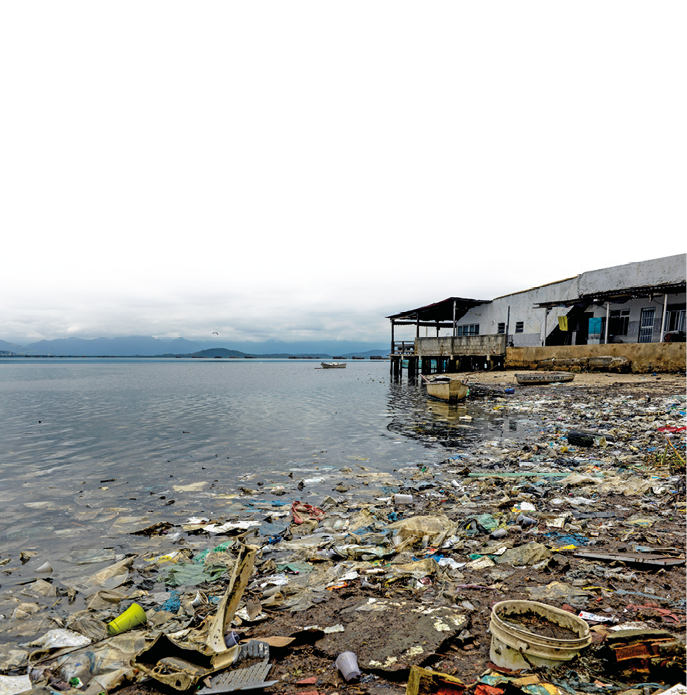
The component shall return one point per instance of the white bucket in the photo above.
(517, 648)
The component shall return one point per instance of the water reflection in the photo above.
(85, 444)
(459, 425)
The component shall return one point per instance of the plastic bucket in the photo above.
(517, 648)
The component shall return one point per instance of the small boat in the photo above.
(543, 378)
(446, 389)
(333, 365)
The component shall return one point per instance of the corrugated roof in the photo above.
(440, 311)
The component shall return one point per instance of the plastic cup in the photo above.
(133, 616)
(526, 521)
(401, 499)
(347, 663)
(231, 639)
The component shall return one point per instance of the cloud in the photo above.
(305, 170)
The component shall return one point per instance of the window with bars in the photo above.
(646, 325)
(520, 327)
(468, 329)
(501, 328)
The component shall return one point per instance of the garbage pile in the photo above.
(554, 565)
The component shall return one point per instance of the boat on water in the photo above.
(333, 365)
(446, 389)
(533, 378)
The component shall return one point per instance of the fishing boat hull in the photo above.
(535, 378)
(449, 390)
(333, 365)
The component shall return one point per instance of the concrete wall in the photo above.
(638, 357)
(465, 345)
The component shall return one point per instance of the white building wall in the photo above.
(522, 304)
(522, 308)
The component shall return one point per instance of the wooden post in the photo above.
(391, 352)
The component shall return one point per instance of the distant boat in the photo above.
(358, 358)
(333, 365)
(446, 389)
(534, 378)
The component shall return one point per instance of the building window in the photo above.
(619, 322)
(676, 318)
(501, 328)
(520, 327)
(468, 329)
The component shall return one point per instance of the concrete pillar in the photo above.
(608, 316)
(397, 365)
(663, 318)
(412, 366)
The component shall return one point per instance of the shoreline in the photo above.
(406, 584)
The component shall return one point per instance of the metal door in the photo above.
(646, 325)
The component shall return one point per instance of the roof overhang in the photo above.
(437, 314)
(615, 296)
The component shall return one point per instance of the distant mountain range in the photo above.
(147, 346)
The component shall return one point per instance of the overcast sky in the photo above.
(299, 170)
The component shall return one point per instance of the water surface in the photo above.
(87, 445)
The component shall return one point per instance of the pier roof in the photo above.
(438, 312)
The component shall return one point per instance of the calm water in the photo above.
(86, 444)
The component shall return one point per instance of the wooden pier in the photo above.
(441, 355)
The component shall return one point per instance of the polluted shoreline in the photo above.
(401, 567)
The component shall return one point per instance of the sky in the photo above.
(300, 170)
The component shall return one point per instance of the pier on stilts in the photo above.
(442, 354)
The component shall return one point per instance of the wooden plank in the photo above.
(636, 558)
(422, 681)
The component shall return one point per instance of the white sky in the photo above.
(299, 170)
